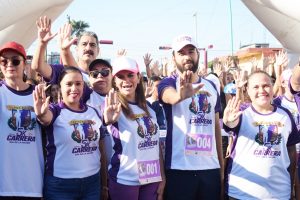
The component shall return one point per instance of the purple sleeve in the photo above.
(87, 91)
(234, 130)
(56, 71)
(294, 136)
(244, 106)
(277, 101)
(55, 109)
(218, 103)
(165, 83)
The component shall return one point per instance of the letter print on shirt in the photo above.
(84, 134)
(22, 122)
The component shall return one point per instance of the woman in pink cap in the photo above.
(21, 160)
(136, 168)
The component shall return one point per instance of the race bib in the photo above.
(198, 144)
(149, 171)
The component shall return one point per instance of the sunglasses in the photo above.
(104, 73)
(14, 61)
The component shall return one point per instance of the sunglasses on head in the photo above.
(14, 61)
(103, 72)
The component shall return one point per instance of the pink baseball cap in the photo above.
(124, 63)
(181, 41)
(14, 46)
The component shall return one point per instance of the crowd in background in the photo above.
(91, 129)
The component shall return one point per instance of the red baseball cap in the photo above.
(14, 46)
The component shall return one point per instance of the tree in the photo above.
(77, 26)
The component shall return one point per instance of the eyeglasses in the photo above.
(103, 72)
(14, 61)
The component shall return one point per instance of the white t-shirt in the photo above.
(259, 160)
(135, 159)
(73, 142)
(21, 157)
(190, 141)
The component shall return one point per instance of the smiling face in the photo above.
(186, 58)
(101, 83)
(126, 82)
(12, 65)
(260, 90)
(71, 89)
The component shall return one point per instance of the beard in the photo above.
(194, 67)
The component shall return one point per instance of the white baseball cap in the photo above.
(181, 41)
(124, 63)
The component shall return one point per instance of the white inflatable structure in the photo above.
(18, 17)
(282, 19)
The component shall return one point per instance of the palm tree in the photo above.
(78, 26)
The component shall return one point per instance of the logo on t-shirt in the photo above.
(146, 130)
(200, 106)
(200, 103)
(22, 122)
(268, 135)
(84, 134)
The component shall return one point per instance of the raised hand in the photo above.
(41, 102)
(218, 69)
(155, 68)
(254, 64)
(232, 113)
(226, 65)
(112, 108)
(65, 40)
(149, 88)
(44, 29)
(147, 59)
(121, 52)
(281, 62)
(187, 89)
(239, 78)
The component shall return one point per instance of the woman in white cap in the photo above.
(136, 168)
(21, 159)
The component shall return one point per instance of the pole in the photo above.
(196, 29)
(205, 58)
(231, 29)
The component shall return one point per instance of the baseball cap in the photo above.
(181, 41)
(99, 61)
(230, 88)
(14, 46)
(124, 63)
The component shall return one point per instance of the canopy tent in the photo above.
(18, 17)
(282, 19)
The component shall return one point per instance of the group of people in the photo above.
(103, 135)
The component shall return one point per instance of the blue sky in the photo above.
(142, 26)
